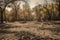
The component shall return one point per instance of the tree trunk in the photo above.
(1, 14)
(59, 10)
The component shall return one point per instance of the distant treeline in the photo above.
(39, 12)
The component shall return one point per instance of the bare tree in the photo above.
(3, 4)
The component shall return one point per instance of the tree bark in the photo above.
(1, 14)
(59, 10)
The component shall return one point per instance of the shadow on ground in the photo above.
(22, 36)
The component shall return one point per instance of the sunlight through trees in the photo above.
(20, 10)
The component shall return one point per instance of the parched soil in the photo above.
(29, 31)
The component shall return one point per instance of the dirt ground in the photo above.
(29, 31)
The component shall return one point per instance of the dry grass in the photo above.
(38, 29)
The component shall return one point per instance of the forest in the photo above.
(15, 10)
(29, 19)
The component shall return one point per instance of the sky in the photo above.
(36, 2)
(33, 3)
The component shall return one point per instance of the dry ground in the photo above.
(29, 31)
